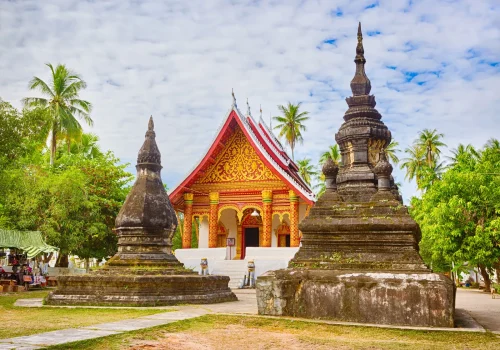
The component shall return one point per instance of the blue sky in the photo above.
(432, 64)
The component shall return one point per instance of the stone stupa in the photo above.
(143, 272)
(359, 258)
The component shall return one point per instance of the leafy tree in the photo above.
(20, 133)
(458, 215)
(306, 170)
(62, 103)
(291, 124)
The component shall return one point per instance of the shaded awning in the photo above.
(29, 241)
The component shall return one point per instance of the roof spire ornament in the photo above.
(360, 84)
(234, 98)
(248, 108)
(260, 111)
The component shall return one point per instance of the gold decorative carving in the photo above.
(188, 196)
(238, 162)
(239, 213)
(374, 148)
(349, 154)
(214, 197)
(222, 233)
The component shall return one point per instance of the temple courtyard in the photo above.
(233, 324)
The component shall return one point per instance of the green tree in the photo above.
(20, 133)
(430, 141)
(291, 124)
(464, 155)
(62, 103)
(306, 170)
(458, 215)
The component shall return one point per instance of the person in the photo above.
(2, 272)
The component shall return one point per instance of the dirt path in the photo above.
(481, 306)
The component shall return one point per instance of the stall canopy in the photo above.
(29, 241)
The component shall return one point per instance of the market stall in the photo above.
(18, 250)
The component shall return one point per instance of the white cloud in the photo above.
(178, 61)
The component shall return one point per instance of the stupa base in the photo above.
(377, 297)
(145, 290)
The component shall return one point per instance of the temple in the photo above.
(245, 189)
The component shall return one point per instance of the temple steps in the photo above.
(235, 269)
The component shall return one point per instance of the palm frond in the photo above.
(38, 84)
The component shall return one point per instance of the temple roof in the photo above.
(266, 145)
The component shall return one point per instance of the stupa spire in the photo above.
(149, 154)
(360, 84)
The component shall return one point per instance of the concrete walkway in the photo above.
(480, 305)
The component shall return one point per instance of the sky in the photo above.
(432, 64)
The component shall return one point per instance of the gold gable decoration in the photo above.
(238, 162)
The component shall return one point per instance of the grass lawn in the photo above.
(232, 332)
(18, 321)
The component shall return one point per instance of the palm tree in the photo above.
(391, 150)
(62, 102)
(291, 124)
(333, 153)
(464, 153)
(493, 143)
(430, 141)
(414, 163)
(86, 145)
(306, 170)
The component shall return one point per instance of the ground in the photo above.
(481, 307)
(236, 332)
(17, 321)
(229, 326)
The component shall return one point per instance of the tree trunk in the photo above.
(53, 146)
(87, 265)
(47, 258)
(486, 278)
(497, 270)
(62, 260)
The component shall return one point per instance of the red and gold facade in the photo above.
(241, 191)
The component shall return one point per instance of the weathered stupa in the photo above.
(359, 259)
(143, 272)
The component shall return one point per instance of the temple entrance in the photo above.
(251, 239)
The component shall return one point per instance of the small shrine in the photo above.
(359, 258)
(245, 190)
(143, 272)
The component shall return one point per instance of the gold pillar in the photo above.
(267, 217)
(214, 218)
(294, 219)
(239, 238)
(188, 223)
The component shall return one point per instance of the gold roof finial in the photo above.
(234, 97)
